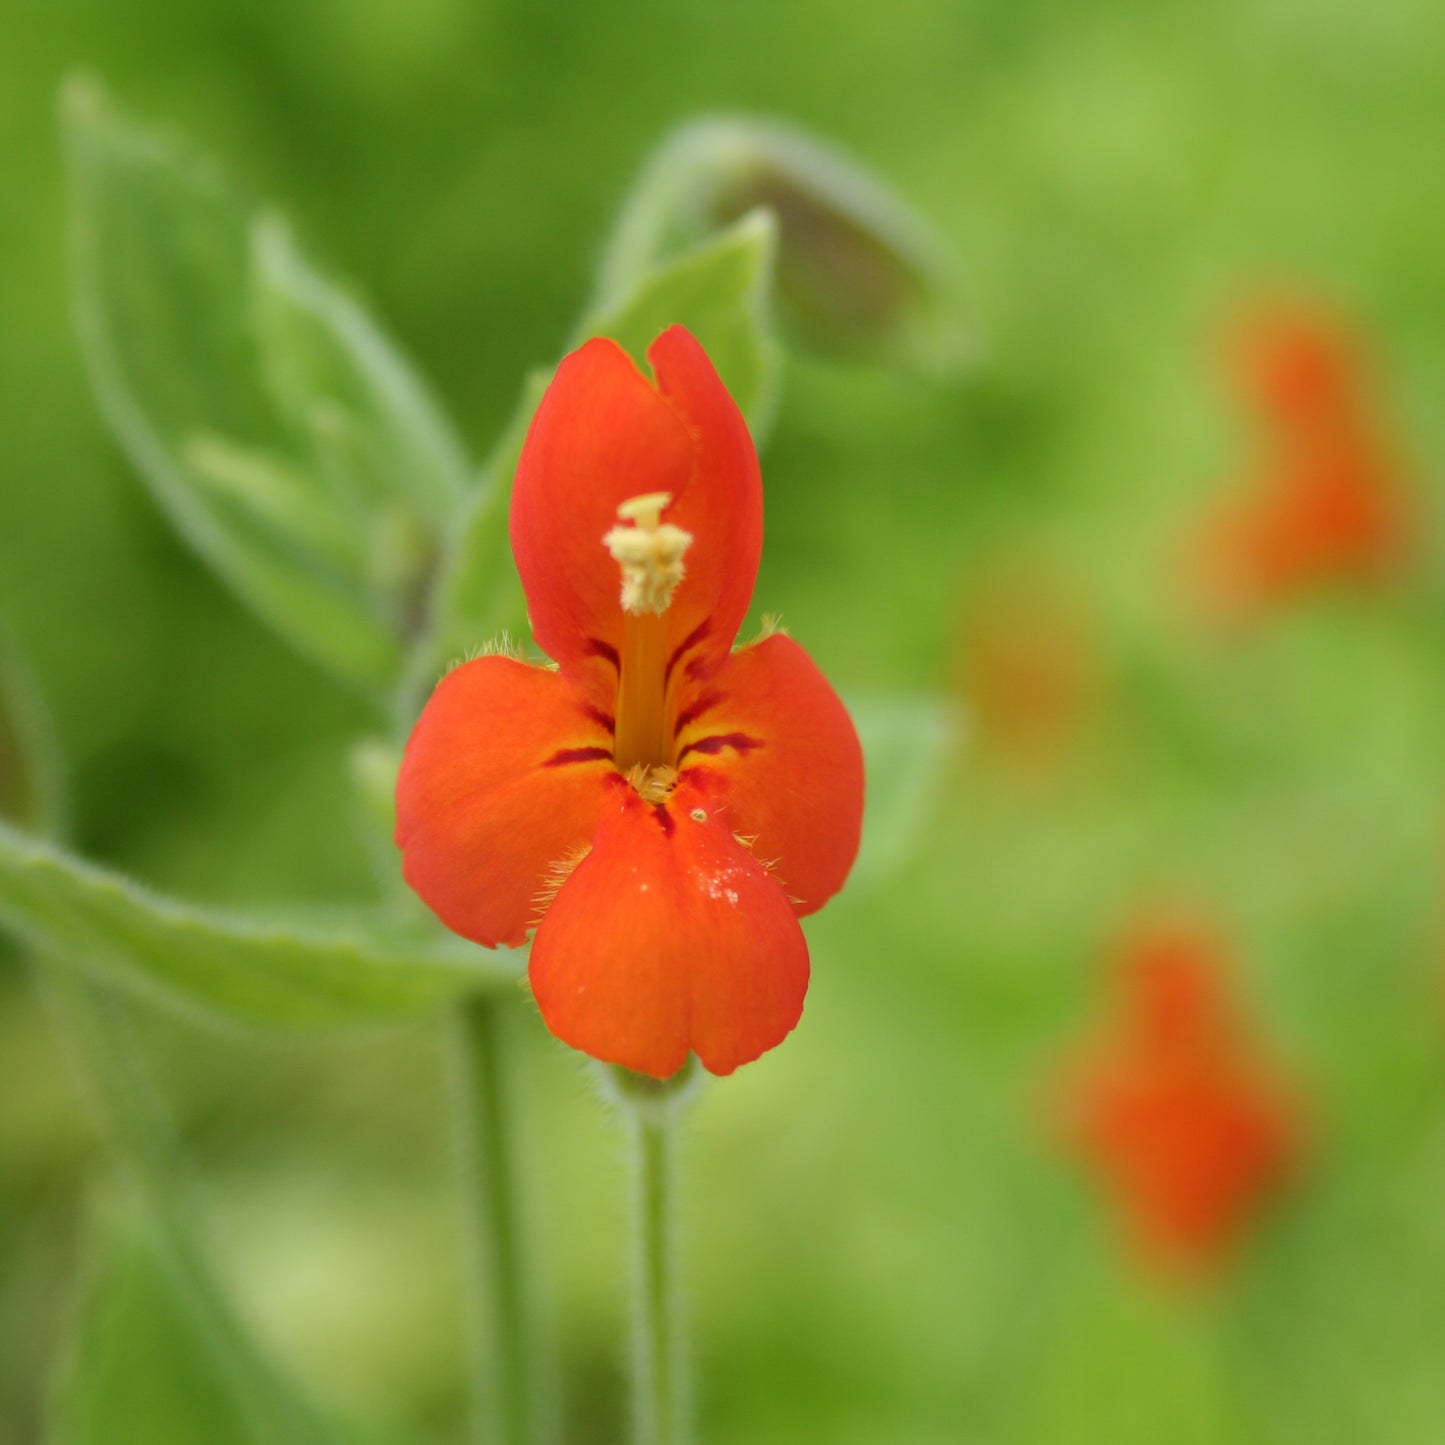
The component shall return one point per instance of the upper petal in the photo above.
(604, 433)
(722, 506)
(500, 781)
(770, 729)
(669, 938)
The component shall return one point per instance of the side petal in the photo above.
(722, 506)
(602, 434)
(669, 938)
(786, 758)
(500, 782)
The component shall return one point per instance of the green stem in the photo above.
(661, 1401)
(658, 1363)
(125, 1098)
(508, 1376)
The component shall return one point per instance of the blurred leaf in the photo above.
(478, 595)
(145, 1368)
(264, 973)
(329, 369)
(140, 1373)
(720, 290)
(194, 1324)
(907, 745)
(30, 778)
(858, 271)
(281, 432)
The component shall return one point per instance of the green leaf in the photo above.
(331, 372)
(30, 777)
(858, 271)
(720, 290)
(478, 597)
(188, 1322)
(140, 1373)
(281, 432)
(145, 1367)
(278, 974)
(907, 745)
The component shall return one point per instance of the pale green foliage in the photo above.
(281, 431)
(264, 973)
(477, 594)
(161, 1341)
(139, 1370)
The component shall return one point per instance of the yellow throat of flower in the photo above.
(650, 553)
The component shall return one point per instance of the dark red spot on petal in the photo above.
(595, 647)
(577, 755)
(710, 747)
(603, 719)
(690, 714)
(687, 644)
(664, 818)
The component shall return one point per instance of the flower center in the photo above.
(649, 551)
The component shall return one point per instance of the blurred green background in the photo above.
(882, 1244)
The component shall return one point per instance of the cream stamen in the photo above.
(649, 552)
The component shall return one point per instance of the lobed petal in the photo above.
(781, 748)
(722, 505)
(602, 434)
(669, 938)
(501, 781)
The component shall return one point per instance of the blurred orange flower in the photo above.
(1188, 1129)
(1326, 503)
(1025, 664)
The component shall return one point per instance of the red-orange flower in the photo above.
(660, 808)
(1327, 504)
(1187, 1128)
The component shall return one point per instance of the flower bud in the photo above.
(858, 272)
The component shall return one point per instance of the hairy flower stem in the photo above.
(660, 1393)
(508, 1375)
(658, 1382)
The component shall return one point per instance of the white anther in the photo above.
(649, 552)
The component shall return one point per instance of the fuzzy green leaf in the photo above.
(278, 974)
(331, 371)
(478, 596)
(281, 432)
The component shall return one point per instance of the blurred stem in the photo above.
(660, 1401)
(125, 1097)
(507, 1367)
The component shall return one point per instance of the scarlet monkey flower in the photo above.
(1187, 1129)
(1327, 504)
(659, 807)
